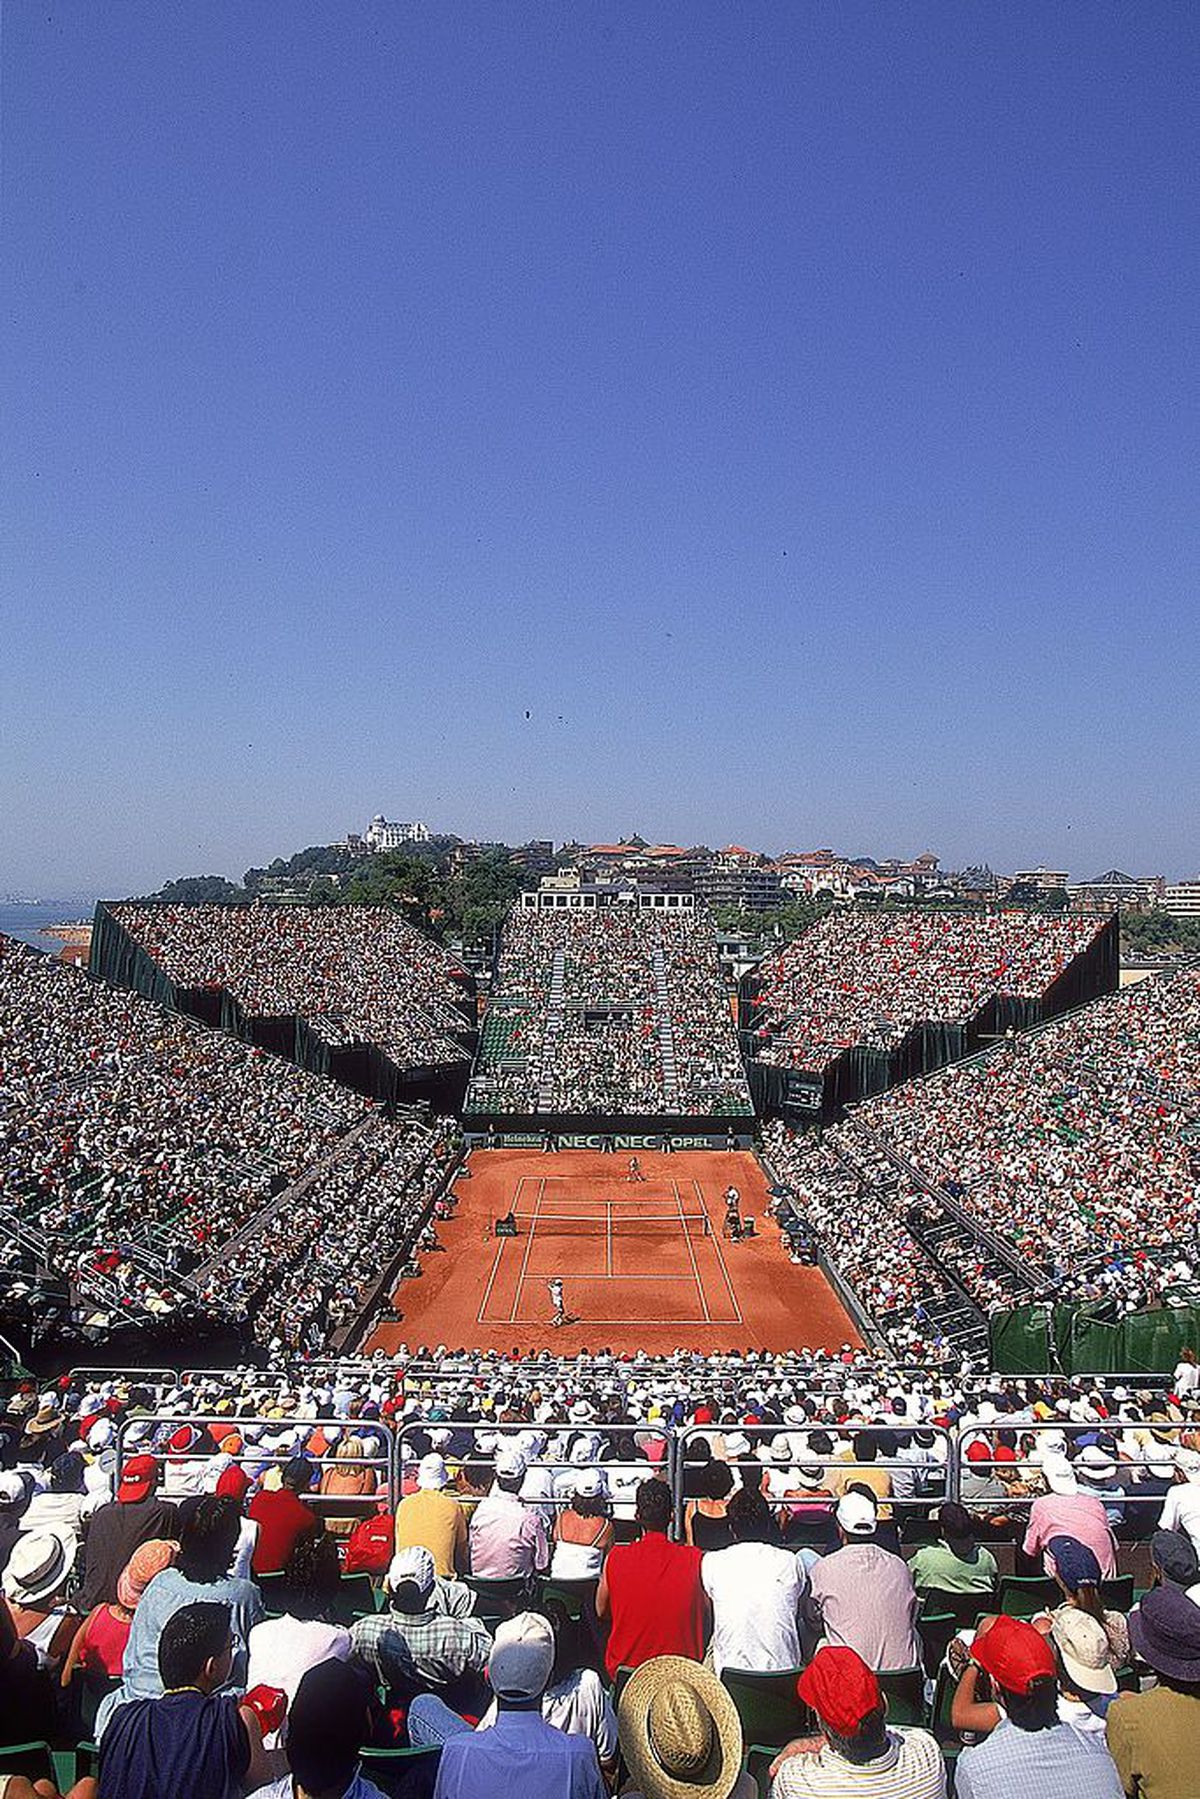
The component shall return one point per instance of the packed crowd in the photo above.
(1077, 1146)
(308, 1269)
(235, 1588)
(857, 978)
(626, 1012)
(355, 974)
(137, 1150)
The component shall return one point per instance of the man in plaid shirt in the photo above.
(414, 1642)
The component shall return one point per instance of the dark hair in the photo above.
(590, 1505)
(1037, 1709)
(716, 1480)
(298, 1474)
(191, 1636)
(750, 1517)
(312, 1576)
(868, 1741)
(652, 1505)
(406, 1596)
(208, 1538)
(866, 1446)
(328, 1720)
(954, 1522)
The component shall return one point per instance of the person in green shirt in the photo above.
(956, 1563)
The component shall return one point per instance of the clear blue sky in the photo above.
(791, 406)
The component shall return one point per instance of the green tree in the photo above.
(200, 890)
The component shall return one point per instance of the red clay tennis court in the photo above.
(644, 1264)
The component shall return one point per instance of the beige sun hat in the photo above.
(680, 1732)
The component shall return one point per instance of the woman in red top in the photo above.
(98, 1646)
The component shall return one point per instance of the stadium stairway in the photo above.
(554, 1024)
(666, 1031)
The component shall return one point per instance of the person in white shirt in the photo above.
(282, 1650)
(1181, 1507)
(757, 1589)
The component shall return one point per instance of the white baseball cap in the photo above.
(856, 1515)
(522, 1657)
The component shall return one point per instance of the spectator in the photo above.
(1078, 1575)
(98, 1646)
(283, 1649)
(329, 1720)
(207, 1539)
(955, 1563)
(507, 1537)
(705, 1519)
(193, 1741)
(575, 1702)
(1080, 1516)
(1154, 1736)
(680, 1734)
(28, 1702)
(1030, 1750)
(651, 1591)
(432, 1519)
(862, 1596)
(856, 1752)
(756, 1590)
(520, 1748)
(583, 1532)
(35, 1583)
(283, 1518)
(414, 1644)
(1173, 1560)
(115, 1530)
(1181, 1507)
(14, 1497)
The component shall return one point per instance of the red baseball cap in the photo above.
(702, 1414)
(1014, 1654)
(139, 1477)
(233, 1482)
(840, 1688)
(978, 1452)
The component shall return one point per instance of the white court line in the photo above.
(487, 1291)
(733, 1299)
(525, 1258)
(691, 1255)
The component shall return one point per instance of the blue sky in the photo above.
(791, 407)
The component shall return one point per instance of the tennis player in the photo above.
(635, 1169)
(557, 1301)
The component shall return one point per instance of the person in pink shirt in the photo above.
(1075, 1515)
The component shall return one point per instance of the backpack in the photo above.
(370, 1545)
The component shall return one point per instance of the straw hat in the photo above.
(680, 1732)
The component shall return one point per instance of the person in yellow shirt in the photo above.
(431, 1519)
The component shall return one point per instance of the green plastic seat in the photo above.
(767, 1704)
(1023, 1596)
(904, 1690)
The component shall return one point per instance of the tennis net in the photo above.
(615, 1224)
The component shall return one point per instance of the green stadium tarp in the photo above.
(1089, 1339)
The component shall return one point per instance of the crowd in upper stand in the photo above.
(235, 1587)
(134, 1145)
(867, 978)
(1078, 1145)
(643, 1027)
(355, 974)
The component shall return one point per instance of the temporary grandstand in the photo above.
(608, 1014)
(352, 992)
(164, 1183)
(863, 1000)
(1047, 1184)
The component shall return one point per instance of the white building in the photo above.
(1182, 898)
(382, 835)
